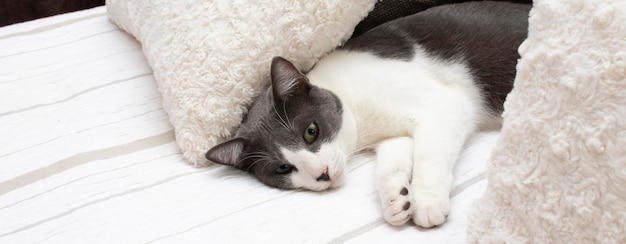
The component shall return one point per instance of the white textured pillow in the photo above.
(210, 58)
(558, 173)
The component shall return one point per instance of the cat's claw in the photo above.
(396, 201)
(431, 208)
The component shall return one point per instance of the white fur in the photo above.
(393, 174)
(329, 159)
(434, 104)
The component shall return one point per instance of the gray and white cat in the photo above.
(413, 89)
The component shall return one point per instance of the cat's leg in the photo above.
(438, 141)
(393, 175)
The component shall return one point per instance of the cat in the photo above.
(413, 90)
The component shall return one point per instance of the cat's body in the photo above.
(413, 89)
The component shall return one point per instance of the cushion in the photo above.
(558, 172)
(210, 58)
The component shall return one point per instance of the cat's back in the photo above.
(448, 30)
(484, 35)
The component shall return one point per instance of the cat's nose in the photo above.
(324, 176)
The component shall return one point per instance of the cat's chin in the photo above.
(336, 181)
(326, 187)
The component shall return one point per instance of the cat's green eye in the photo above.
(311, 133)
(284, 169)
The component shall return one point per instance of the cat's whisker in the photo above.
(255, 156)
(358, 151)
(339, 157)
(264, 166)
(267, 127)
(282, 121)
(257, 161)
(262, 157)
(291, 123)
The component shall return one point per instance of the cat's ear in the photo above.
(227, 153)
(287, 80)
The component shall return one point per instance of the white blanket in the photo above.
(87, 155)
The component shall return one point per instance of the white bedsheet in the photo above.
(87, 155)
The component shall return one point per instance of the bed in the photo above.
(88, 154)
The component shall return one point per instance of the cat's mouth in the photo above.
(326, 179)
(329, 179)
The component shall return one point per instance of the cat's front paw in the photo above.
(396, 199)
(432, 207)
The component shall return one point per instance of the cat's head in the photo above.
(290, 137)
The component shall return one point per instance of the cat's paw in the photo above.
(396, 199)
(431, 207)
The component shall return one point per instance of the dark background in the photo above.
(15, 11)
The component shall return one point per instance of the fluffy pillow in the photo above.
(210, 58)
(558, 173)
